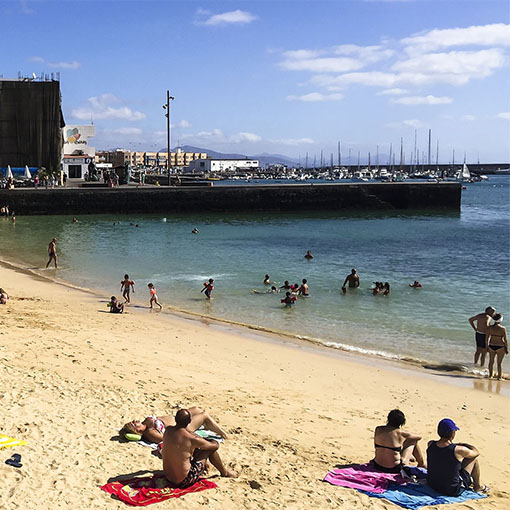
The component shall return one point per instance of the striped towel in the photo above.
(7, 442)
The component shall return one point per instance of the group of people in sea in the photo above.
(490, 339)
(451, 467)
(5, 213)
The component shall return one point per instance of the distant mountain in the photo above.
(264, 159)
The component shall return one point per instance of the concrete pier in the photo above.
(289, 197)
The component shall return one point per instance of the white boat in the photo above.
(464, 174)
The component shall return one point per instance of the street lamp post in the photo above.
(166, 106)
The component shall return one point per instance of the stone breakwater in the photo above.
(288, 198)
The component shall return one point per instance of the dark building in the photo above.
(30, 123)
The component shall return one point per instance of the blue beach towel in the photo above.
(415, 496)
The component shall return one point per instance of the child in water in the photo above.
(154, 296)
(208, 288)
(126, 285)
(289, 300)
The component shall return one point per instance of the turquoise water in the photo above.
(461, 259)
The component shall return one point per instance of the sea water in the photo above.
(462, 260)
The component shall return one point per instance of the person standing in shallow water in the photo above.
(497, 344)
(351, 279)
(482, 321)
(52, 252)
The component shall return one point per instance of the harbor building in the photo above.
(78, 154)
(222, 165)
(31, 123)
(123, 157)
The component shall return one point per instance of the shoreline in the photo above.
(74, 373)
(456, 374)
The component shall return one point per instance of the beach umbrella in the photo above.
(8, 175)
(27, 174)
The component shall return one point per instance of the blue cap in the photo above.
(445, 427)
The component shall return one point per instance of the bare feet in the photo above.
(229, 473)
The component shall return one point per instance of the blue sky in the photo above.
(285, 77)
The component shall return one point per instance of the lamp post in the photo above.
(166, 107)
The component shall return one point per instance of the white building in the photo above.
(222, 165)
(78, 154)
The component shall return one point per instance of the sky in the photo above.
(281, 77)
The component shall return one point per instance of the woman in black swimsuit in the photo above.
(497, 343)
(394, 447)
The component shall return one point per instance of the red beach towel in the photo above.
(363, 477)
(151, 489)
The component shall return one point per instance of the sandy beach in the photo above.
(72, 374)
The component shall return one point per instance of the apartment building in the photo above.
(121, 157)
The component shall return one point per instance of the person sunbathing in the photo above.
(394, 447)
(3, 297)
(153, 427)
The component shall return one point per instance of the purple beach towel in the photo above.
(363, 477)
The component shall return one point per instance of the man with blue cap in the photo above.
(452, 467)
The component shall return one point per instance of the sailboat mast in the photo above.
(339, 155)
(428, 161)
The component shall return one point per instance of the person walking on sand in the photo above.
(452, 467)
(482, 321)
(185, 454)
(352, 279)
(208, 288)
(154, 296)
(125, 286)
(497, 344)
(52, 252)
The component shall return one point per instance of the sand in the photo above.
(71, 374)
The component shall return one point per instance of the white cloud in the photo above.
(128, 131)
(468, 118)
(99, 107)
(217, 136)
(245, 137)
(237, 17)
(293, 142)
(392, 92)
(74, 64)
(414, 123)
(465, 64)
(415, 100)
(338, 59)
(322, 65)
(503, 115)
(182, 124)
(315, 97)
(497, 34)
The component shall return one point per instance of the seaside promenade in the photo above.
(73, 374)
(285, 197)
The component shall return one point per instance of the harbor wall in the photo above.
(293, 197)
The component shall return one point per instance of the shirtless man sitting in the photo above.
(482, 323)
(185, 454)
(352, 279)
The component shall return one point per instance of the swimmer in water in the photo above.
(208, 288)
(352, 279)
(194, 231)
(286, 285)
(267, 280)
(309, 255)
(272, 290)
(125, 286)
(303, 290)
(75, 220)
(288, 300)
(416, 285)
(154, 296)
(386, 289)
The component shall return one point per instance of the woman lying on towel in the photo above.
(394, 447)
(153, 427)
